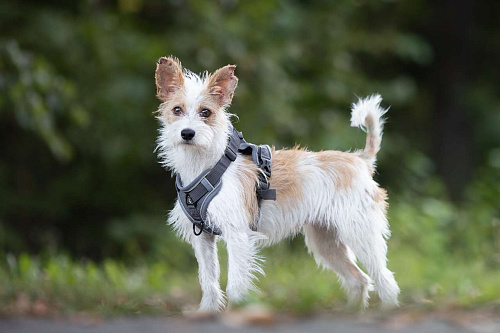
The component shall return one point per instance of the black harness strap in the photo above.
(195, 197)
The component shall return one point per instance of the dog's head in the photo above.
(193, 110)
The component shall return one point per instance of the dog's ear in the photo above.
(169, 77)
(222, 84)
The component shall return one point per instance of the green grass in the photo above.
(444, 256)
(109, 288)
(293, 283)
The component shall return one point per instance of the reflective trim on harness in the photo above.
(195, 197)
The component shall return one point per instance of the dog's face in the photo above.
(193, 112)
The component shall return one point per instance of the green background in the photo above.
(83, 200)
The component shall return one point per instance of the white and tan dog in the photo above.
(329, 196)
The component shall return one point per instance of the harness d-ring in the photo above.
(202, 224)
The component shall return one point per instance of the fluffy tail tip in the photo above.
(366, 106)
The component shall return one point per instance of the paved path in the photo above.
(177, 324)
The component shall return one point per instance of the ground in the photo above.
(260, 321)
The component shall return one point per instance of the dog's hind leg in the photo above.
(205, 249)
(330, 252)
(369, 246)
(243, 263)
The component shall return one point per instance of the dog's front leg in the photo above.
(243, 263)
(205, 249)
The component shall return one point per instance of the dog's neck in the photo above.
(190, 163)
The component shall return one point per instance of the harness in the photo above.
(196, 196)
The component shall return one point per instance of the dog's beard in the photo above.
(190, 158)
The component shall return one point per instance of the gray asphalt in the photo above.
(165, 325)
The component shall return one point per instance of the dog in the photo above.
(329, 196)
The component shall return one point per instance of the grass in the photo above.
(57, 285)
(444, 256)
(65, 286)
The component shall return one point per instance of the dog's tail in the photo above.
(367, 114)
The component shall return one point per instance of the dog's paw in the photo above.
(212, 302)
(236, 293)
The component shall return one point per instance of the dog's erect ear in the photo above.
(222, 84)
(169, 77)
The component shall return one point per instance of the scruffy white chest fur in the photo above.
(329, 196)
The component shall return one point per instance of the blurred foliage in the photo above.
(78, 175)
(54, 285)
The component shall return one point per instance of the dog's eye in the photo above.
(177, 111)
(205, 113)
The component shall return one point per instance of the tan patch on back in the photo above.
(340, 165)
(248, 179)
(285, 177)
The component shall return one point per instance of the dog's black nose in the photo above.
(187, 134)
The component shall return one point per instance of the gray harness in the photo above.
(196, 196)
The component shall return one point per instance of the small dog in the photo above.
(329, 196)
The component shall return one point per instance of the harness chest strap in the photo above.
(195, 197)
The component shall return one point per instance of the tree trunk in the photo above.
(453, 22)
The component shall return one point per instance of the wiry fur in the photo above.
(368, 115)
(330, 196)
